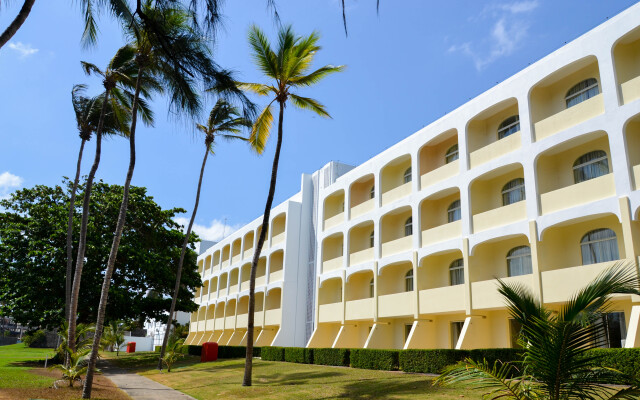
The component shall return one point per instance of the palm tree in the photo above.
(223, 118)
(288, 68)
(113, 336)
(557, 364)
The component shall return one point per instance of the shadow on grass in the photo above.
(387, 388)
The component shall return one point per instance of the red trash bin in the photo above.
(131, 347)
(209, 352)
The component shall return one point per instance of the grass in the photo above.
(281, 380)
(16, 361)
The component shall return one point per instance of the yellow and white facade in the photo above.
(535, 181)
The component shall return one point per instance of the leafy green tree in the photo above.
(224, 122)
(32, 256)
(557, 364)
(289, 68)
(113, 336)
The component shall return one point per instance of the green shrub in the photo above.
(386, 360)
(624, 360)
(432, 361)
(236, 351)
(192, 350)
(338, 357)
(34, 338)
(157, 349)
(298, 355)
(271, 353)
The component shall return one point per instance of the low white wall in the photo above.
(142, 343)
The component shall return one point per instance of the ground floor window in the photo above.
(407, 331)
(615, 330)
(514, 333)
(456, 331)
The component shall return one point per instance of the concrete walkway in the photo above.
(138, 387)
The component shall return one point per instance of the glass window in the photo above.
(509, 126)
(519, 261)
(407, 331)
(456, 332)
(451, 154)
(408, 227)
(372, 239)
(453, 212)
(408, 281)
(372, 192)
(590, 165)
(371, 288)
(513, 192)
(456, 272)
(599, 245)
(514, 332)
(582, 91)
(407, 175)
(614, 331)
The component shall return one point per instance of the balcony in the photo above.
(230, 322)
(397, 246)
(361, 257)
(233, 289)
(273, 317)
(201, 325)
(500, 216)
(260, 281)
(441, 233)
(495, 149)
(440, 174)
(277, 239)
(333, 221)
(247, 253)
(636, 176)
(242, 320)
(580, 193)
(630, 90)
(276, 276)
(208, 326)
(331, 265)
(258, 318)
(359, 309)
(219, 323)
(225, 263)
(559, 284)
(396, 193)
(362, 208)
(396, 305)
(485, 293)
(330, 312)
(569, 117)
(442, 300)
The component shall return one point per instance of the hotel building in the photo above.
(535, 181)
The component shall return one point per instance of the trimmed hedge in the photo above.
(236, 351)
(271, 353)
(298, 355)
(192, 350)
(157, 349)
(432, 361)
(337, 357)
(386, 360)
(624, 360)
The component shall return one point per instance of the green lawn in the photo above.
(15, 362)
(281, 380)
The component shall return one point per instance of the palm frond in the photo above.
(317, 75)
(90, 68)
(307, 103)
(261, 130)
(257, 88)
(263, 55)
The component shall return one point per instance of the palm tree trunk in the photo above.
(82, 240)
(102, 307)
(16, 23)
(180, 263)
(248, 364)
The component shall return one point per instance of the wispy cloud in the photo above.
(509, 28)
(8, 183)
(24, 50)
(215, 231)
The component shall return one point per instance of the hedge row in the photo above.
(624, 360)
(223, 351)
(338, 357)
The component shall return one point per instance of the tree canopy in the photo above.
(33, 260)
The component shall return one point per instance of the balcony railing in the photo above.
(225, 263)
(245, 285)
(360, 257)
(630, 90)
(396, 193)
(442, 299)
(208, 326)
(359, 309)
(233, 289)
(397, 246)
(333, 264)
(273, 317)
(396, 305)
(242, 320)
(235, 259)
(258, 318)
(485, 294)
(362, 208)
(219, 324)
(441, 233)
(276, 276)
(201, 325)
(440, 174)
(330, 312)
(247, 254)
(279, 238)
(569, 117)
(261, 280)
(495, 149)
(580, 193)
(230, 322)
(333, 221)
(559, 284)
(500, 216)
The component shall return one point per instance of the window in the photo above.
(372, 239)
(514, 332)
(408, 227)
(509, 126)
(407, 175)
(408, 281)
(513, 192)
(407, 331)
(582, 91)
(519, 261)
(371, 288)
(456, 332)
(590, 165)
(456, 272)
(453, 212)
(451, 154)
(599, 245)
(614, 331)
(372, 192)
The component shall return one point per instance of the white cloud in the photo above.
(214, 232)
(8, 183)
(509, 29)
(24, 50)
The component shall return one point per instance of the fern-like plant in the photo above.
(173, 352)
(77, 365)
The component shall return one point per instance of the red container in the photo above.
(131, 347)
(209, 352)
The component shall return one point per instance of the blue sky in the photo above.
(406, 67)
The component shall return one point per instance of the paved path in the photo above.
(140, 387)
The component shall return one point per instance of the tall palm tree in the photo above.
(557, 364)
(288, 68)
(224, 122)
